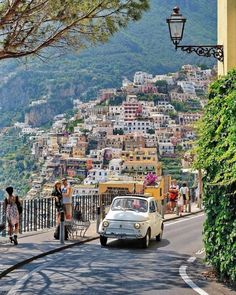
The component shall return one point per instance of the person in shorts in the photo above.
(184, 192)
(67, 198)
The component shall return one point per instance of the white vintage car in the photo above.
(132, 217)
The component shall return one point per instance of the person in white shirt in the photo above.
(184, 195)
(67, 198)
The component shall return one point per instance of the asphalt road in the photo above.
(123, 267)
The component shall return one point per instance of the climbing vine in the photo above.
(216, 154)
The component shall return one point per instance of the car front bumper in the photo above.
(118, 234)
(122, 236)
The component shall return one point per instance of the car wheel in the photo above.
(146, 240)
(103, 241)
(159, 237)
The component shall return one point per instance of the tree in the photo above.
(216, 152)
(162, 86)
(29, 26)
(151, 131)
(118, 131)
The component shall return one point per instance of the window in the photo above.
(152, 207)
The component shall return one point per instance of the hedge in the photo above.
(216, 155)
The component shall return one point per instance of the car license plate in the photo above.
(121, 236)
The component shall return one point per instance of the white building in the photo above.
(115, 166)
(165, 106)
(29, 130)
(85, 190)
(160, 119)
(187, 87)
(21, 125)
(38, 102)
(139, 126)
(165, 147)
(141, 78)
(169, 79)
(77, 103)
(181, 96)
(115, 111)
(95, 176)
(150, 140)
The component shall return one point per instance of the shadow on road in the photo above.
(121, 268)
(135, 244)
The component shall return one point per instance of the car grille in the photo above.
(120, 228)
(121, 231)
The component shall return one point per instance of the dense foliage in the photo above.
(16, 162)
(172, 167)
(217, 156)
(27, 27)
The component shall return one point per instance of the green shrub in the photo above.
(217, 156)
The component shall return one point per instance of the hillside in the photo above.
(143, 46)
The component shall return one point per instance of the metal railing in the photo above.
(39, 214)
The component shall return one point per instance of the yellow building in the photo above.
(53, 145)
(159, 191)
(79, 151)
(140, 154)
(125, 187)
(227, 34)
(139, 162)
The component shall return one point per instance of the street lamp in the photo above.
(176, 23)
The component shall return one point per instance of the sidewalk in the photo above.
(36, 244)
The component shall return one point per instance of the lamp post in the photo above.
(176, 23)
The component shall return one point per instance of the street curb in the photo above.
(187, 214)
(24, 262)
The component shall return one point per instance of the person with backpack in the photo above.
(173, 194)
(13, 209)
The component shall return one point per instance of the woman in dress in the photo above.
(12, 215)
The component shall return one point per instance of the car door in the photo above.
(158, 219)
(153, 218)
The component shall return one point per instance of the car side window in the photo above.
(152, 207)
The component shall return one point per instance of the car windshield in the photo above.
(132, 204)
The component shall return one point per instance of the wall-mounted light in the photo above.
(176, 23)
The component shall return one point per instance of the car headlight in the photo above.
(137, 225)
(105, 223)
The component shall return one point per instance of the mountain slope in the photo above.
(142, 46)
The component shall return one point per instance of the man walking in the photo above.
(184, 193)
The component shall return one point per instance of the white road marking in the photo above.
(188, 281)
(183, 220)
(191, 259)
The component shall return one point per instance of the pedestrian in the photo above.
(184, 193)
(57, 193)
(173, 194)
(13, 210)
(67, 198)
